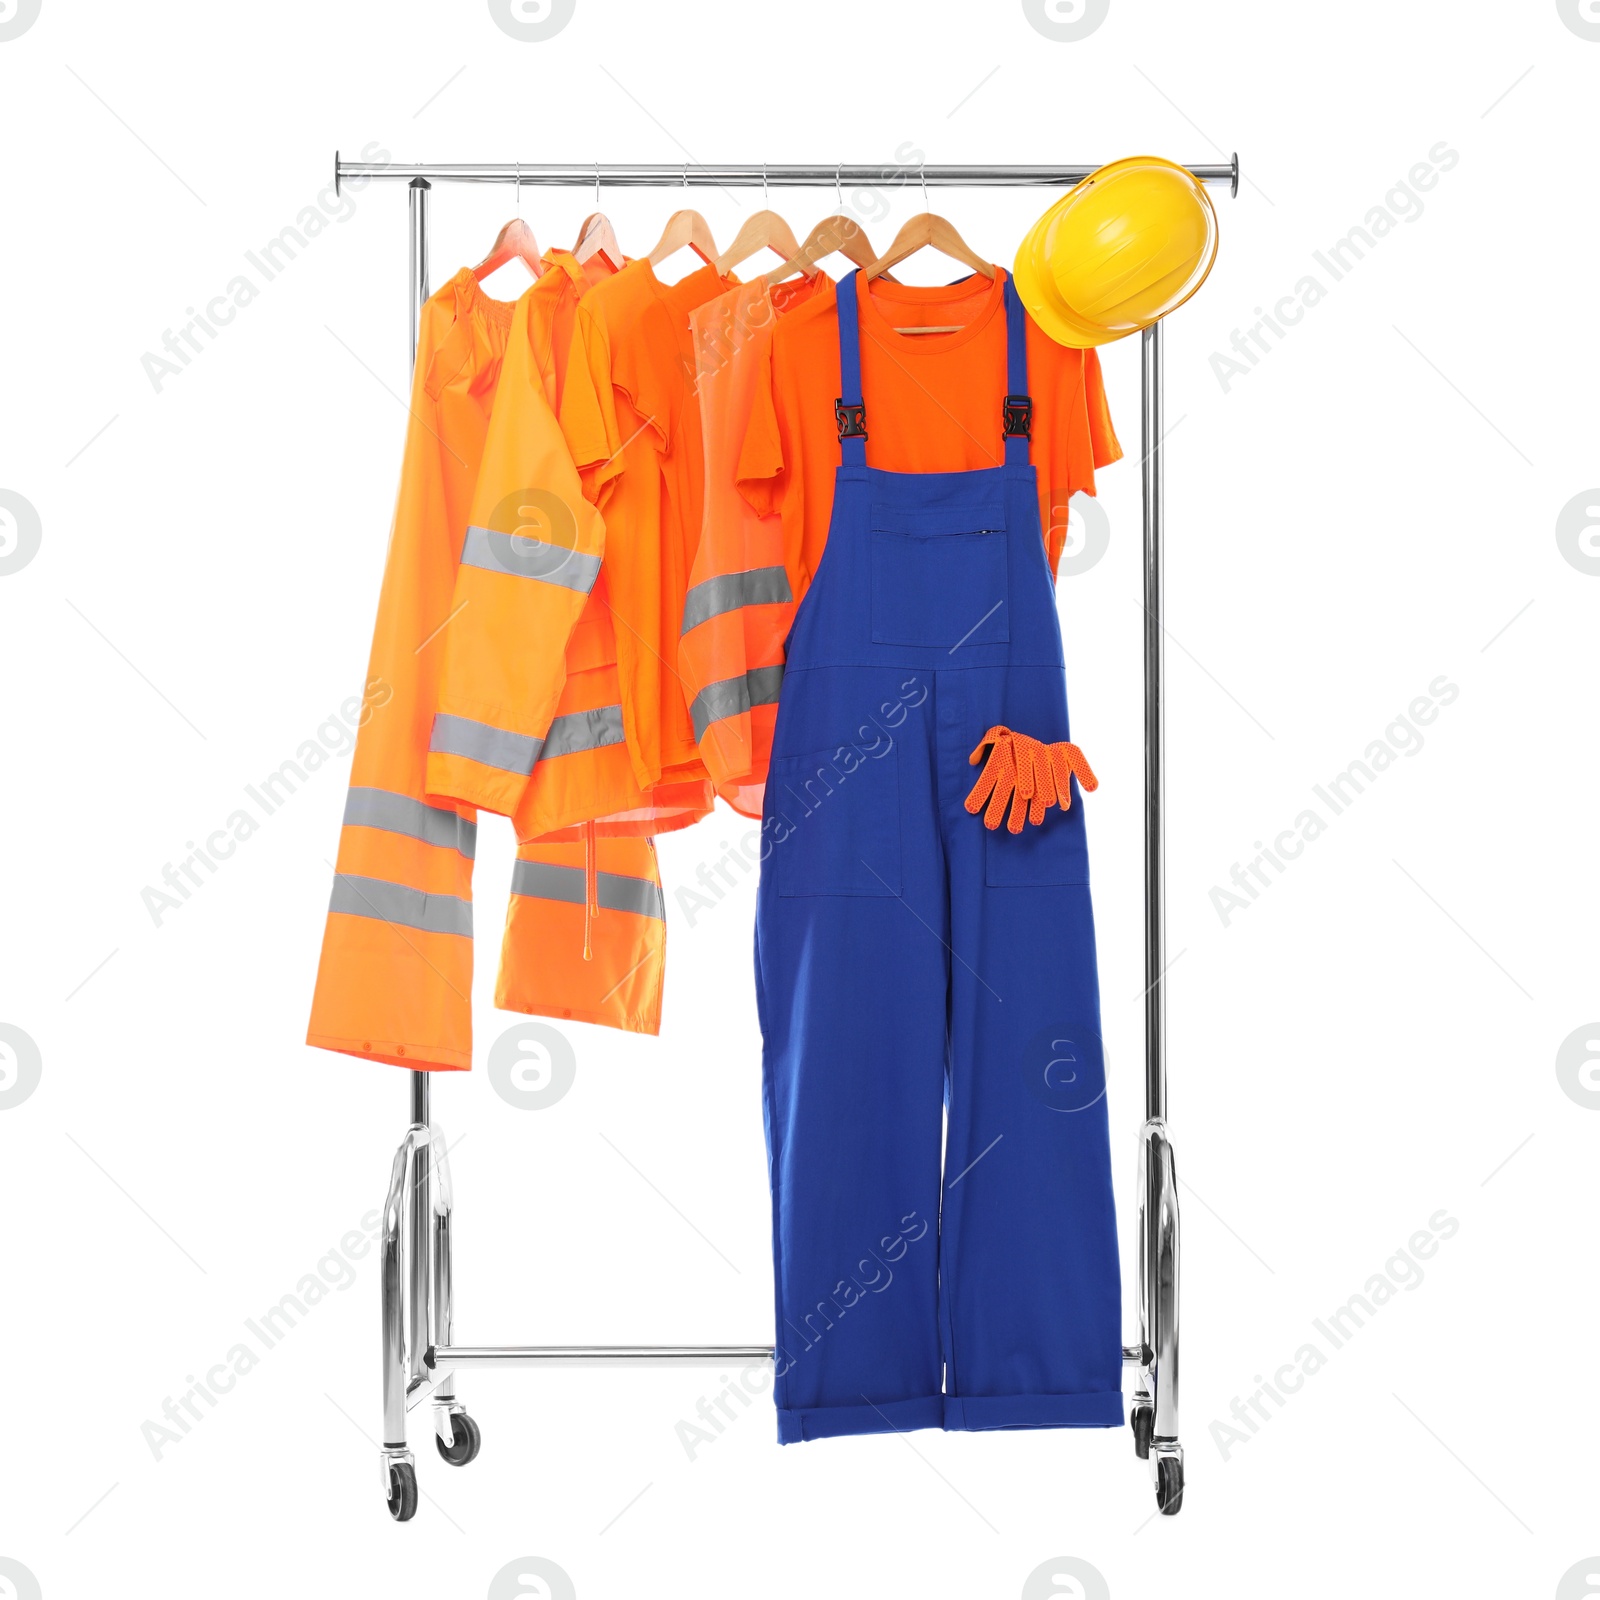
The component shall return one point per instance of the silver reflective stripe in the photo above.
(523, 557)
(483, 742)
(761, 586)
(400, 904)
(613, 890)
(399, 813)
(583, 730)
(730, 697)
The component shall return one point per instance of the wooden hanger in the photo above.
(598, 237)
(929, 231)
(685, 228)
(838, 233)
(766, 230)
(515, 241)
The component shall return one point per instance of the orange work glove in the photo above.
(1033, 776)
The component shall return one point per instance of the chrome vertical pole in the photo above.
(444, 1296)
(1155, 875)
(393, 1250)
(1156, 1401)
(391, 1255)
(445, 1406)
(419, 1233)
(418, 216)
(419, 1211)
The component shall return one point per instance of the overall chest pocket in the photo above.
(939, 588)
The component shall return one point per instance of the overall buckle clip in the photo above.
(1017, 412)
(852, 420)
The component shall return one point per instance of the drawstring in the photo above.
(591, 890)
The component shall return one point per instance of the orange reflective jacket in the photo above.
(561, 700)
(395, 978)
(531, 711)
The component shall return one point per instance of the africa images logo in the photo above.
(21, 532)
(1066, 21)
(531, 21)
(16, 17)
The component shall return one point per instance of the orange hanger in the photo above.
(515, 241)
(685, 228)
(839, 233)
(598, 238)
(766, 230)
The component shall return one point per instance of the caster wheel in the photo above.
(402, 1491)
(1143, 1421)
(466, 1442)
(1169, 1485)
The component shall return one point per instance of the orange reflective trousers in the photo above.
(395, 978)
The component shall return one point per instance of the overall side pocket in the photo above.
(839, 822)
(1056, 851)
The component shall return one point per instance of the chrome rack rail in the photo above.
(696, 175)
(420, 1359)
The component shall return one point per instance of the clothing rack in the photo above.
(420, 1357)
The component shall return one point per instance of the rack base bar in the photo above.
(637, 1355)
(596, 1355)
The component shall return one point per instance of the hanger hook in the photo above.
(597, 185)
(764, 199)
(838, 184)
(686, 176)
(923, 168)
(519, 188)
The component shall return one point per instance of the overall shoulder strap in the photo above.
(848, 410)
(1017, 414)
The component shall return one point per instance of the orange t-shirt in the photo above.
(632, 421)
(738, 608)
(933, 405)
(553, 309)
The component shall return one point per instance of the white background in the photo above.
(1375, 1039)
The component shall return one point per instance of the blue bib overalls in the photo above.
(944, 1241)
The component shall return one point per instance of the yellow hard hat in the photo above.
(1117, 252)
